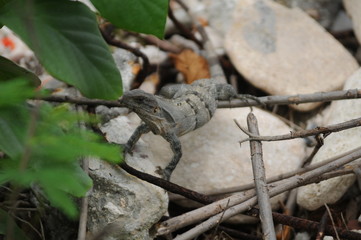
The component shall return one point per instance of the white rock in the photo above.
(328, 238)
(154, 54)
(353, 9)
(125, 62)
(283, 51)
(302, 236)
(314, 196)
(213, 159)
(119, 200)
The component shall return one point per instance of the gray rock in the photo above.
(353, 9)
(342, 22)
(121, 203)
(213, 159)
(284, 52)
(316, 195)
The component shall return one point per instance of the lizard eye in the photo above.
(156, 109)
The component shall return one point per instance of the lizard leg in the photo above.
(142, 129)
(176, 147)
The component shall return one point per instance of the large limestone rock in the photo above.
(121, 204)
(283, 51)
(314, 196)
(213, 158)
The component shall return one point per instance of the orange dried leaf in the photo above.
(191, 65)
(203, 21)
(135, 68)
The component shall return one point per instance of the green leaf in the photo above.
(65, 37)
(10, 70)
(13, 125)
(14, 92)
(145, 16)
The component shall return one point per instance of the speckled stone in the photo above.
(284, 52)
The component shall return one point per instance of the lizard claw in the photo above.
(126, 149)
(163, 172)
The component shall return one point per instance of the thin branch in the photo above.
(161, 44)
(260, 181)
(293, 99)
(306, 133)
(171, 187)
(326, 97)
(83, 216)
(84, 204)
(321, 228)
(315, 150)
(81, 101)
(333, 222)
(238, 234)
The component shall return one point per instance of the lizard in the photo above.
(179, 109)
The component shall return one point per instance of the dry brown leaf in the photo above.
(191, 65)
(135, 68)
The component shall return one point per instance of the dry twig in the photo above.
(304, 133)
(329, 96)
(293, 99)
(260, 181)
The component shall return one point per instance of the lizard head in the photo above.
(138, 100)
(144, 104)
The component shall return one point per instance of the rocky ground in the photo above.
(266, 48)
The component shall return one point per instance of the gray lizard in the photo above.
(178, 109)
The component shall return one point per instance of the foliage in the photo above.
(10, 70)
(44, 144)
